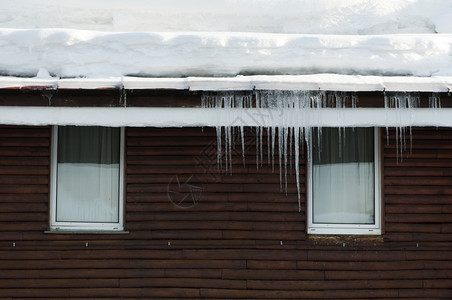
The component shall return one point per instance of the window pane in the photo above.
(88, 174)
(343, 176)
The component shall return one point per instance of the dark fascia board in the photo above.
(119, 97)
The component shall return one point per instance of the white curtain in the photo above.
(88, 174)
(343, 176)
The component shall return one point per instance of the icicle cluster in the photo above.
(281, 115)
(406, 101)
(284, 117)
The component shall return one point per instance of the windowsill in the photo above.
(337, 239)
(67, 231)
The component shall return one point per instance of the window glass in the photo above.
(343, 176)
(87, 175)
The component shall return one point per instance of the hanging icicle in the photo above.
(285, 116)
(281, 115)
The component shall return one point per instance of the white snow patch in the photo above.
(199, 117)
(79, 53)
(277, 16)
(317, 82)
(90, 83)
(178, 38)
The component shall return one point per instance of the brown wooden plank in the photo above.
(26, 180)
(24, 198)
(188, 215)
(273, 264)
(122, 263)
(278, 197)
(415, 172)
(24, 142)
(178, 132)
(206, 178)
(213, 188)
(199, 168)
(206, 225)
(413, 181)
(24, 217)
(274, 274)
(22, 170)
(112, 273)
(357, 255)
(410, 227)
(265, 235)
(58, 283)
(84, 293)
(163, 98)
(361, 294)
(418, 237)
(24, 189)
(24, 132)
(418, 199)
(24, 151)
(387, 275)
(373, 265)
(419, 190)
(244, 254)
(167, 205)
(418, 218)
(24, 226)
(30, 207)
(427, 293)
(24, 161)
(432, 255)
(446, 228)
(259, 294)
(413, 209)
(185, 283)
(324, 285)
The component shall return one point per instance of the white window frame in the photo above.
(348, 229)
(84, 226)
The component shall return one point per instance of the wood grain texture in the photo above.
(196, 231)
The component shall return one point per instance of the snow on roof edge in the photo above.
(323, 82)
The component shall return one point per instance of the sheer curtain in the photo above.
(88, 174)
(343, 176)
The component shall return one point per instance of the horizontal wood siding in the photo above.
(418, 186)
(24, 180)
(175, 191)
(195, 233)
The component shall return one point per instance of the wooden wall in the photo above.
(232, 236)
(418, 186)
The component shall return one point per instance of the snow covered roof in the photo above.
(349, 17)
(77, 53)
(349, 45)
(322, 82)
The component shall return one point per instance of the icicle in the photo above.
(297, 163)
(287, 125)
(219, 160)
(273, 147)
(242, 138)
(290, 148)
(229, 153)
(285, 130)
(257, 146)
(260, 143)
(401, 102)
(434, 100)
(280, 153)
(268, 144)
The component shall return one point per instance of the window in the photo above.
(344, 193)
(87, 178)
